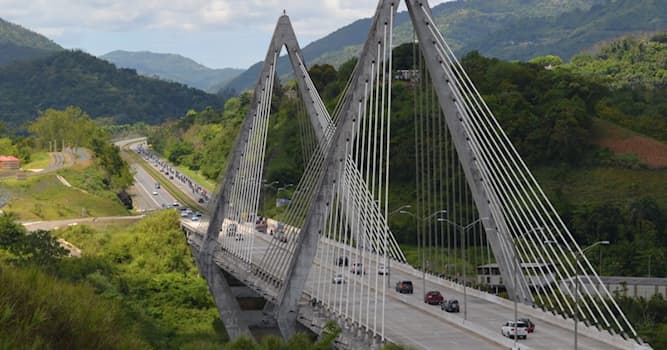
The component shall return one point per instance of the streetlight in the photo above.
(649, 262)
(463, 230)
(441, 211)
(578, 255)
(386, 256)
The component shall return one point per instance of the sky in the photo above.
(216, 33)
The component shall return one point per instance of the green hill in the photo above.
(507, 29)
(98, 87)
(173, 67)
(18, 43)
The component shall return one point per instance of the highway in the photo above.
(410, 321)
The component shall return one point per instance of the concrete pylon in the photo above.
(318, 211)
(283, 36)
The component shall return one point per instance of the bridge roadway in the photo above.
(410, 321)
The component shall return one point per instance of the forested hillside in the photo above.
(171, 67)
(635, 70)
(548, 110)
(510, 30)
(98, 87)
(18, 43)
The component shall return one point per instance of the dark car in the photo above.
(433, 298)
(404, 287)
(530, 325)
(342, 261)
(451, 305)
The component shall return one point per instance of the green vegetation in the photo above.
(135, 288)
(550, 111)
(635, 70)
(13, 33)
(43, 197)
(97, 185)
(18, 44)
(508, 29)
(76, 78)
(38, 160)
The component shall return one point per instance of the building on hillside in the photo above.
(9, 162)
(633, 287)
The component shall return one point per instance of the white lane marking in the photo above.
(150, 195)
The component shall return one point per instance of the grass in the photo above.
(197, 177)
(39, 160)
(43, 197)
(602, 184)
(166, 184)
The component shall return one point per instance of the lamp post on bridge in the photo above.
(386, 256)
(578, 255)
(423, 262)
(463, 230)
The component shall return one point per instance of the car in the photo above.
(433, 298)
(198, 214)
(509, 330)
(404, 287)
(338, 279)
(184, 215)
(383, 270)
(342, 261)
(155, 193)
(175, 204)
(157, 185)
(200, 200)
(358, 268)
(231, 230)
(281, 237)
(195, 218)
(530, 325)
(451, 305)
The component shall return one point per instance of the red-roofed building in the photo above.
(9, 162)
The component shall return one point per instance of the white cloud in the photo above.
(84, 23)
(198, 15)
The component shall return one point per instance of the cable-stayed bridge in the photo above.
(475, 202)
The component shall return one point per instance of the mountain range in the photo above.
(506, 29)
(172, 67)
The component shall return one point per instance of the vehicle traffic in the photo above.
(404, 287)
(451, 305)
(433, 298)
(511, 330)
(338, 279)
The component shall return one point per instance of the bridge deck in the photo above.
(408, 320)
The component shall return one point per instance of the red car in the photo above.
(433, 298)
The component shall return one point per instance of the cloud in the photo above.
(192, 15)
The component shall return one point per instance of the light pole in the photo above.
(423, 262)
(386, 256)
(463, 230)
(578, 255)
(649, 262)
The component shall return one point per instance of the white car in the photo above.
(383, 270)
(155, 193)
(358, 268)
(338, 279)
(510, 331)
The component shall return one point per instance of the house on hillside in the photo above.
(9, 162)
